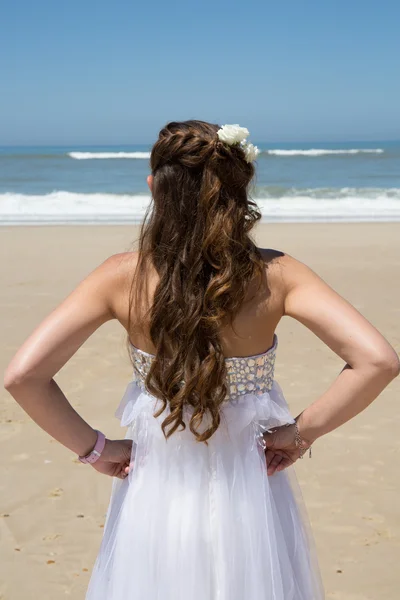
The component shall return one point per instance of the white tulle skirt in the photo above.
(205, 522)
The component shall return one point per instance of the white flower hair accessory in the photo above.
(234, 135)
(250, 151)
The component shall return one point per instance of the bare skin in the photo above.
(294, 290)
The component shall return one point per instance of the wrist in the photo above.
(106, 454)
(94, 454)
(88, 443)
(307, 430)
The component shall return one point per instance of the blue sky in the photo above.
(113, 72)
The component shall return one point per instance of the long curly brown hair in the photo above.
(195, 236)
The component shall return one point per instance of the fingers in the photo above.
(123, 473)
(127, 446)
(117, 451)
(269, 455)
(125, 470)
(277, 460)
(273, 464)
(284, 464)
(122, 470)
(124, 452)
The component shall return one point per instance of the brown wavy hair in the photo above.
(195, 236)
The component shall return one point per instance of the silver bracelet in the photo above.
(298, 440)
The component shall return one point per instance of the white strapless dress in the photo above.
(205, 522)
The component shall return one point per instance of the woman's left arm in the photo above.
(29, 375)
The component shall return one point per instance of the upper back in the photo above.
(253, 327)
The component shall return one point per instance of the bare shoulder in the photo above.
(286, 274)
(276, 263)
(117, 268)
(271, 256)
(119, 264)
(294, 272)
(286, 268)
(112, 279)
(274, 288)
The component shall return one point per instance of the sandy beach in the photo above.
(52, 507)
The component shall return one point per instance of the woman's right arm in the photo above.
(371, 362)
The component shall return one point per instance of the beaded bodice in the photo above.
(245, 374)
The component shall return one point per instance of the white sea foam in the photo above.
(146, 155)
(61, 207)
(323, 152)
(370, 204)
(104, 155)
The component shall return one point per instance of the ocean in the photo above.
(323, 182)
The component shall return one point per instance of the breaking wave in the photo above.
(104, 155)
(276, 204)
(322, 152)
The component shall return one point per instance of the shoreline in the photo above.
(126, 221)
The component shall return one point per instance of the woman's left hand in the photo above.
(115, 458)
(281, 450)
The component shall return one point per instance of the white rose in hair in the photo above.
(250, 152)
(232, 134)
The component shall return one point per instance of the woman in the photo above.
(202, 505)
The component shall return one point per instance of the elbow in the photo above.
(13, 379)
(394, 367)
(388, 364)
(18, 376)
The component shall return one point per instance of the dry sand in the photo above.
(53, 508)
